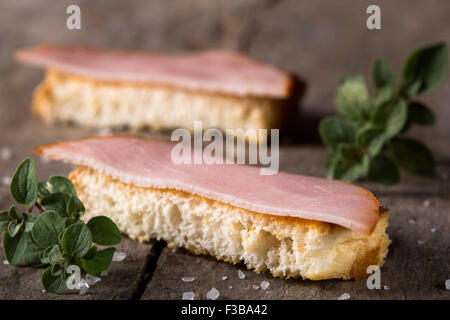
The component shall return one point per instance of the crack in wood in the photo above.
(149, 267)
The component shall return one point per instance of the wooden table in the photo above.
(320, 40)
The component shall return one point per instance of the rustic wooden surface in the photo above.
(321, 41)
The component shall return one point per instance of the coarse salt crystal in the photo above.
(224, 278)
(43, 291)
(265, 285)
(119, 256)
(241, 275)
(230, 287)
(5, 262)
(420, 242)
(91, 280)
(212, 294)
(188, 279)
(386, 287)
(433, 230)
(6, 153)
(427, 203)
(188, 295)
(411, 221)
(83, 286)
(255, 287)
(104, 273)
(447, 284)
(344, 296)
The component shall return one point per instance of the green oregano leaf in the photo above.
(14, 228)
(14, 247)
(77, 239)
(100, 262)
(14, 213)
(104, 231)
(391, 116)
(47, 228)
(54, 255)
(383, 170)
(54, 284)
(383, 75)
(57, 202)
(57, 184)
(75, 208)
(412, 155)
(425, 69)
(335, 129)
(23, 184)
(420, 114)
(4, 220)
(352, 98)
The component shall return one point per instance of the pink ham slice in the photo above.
(147, 163)
(216, 71)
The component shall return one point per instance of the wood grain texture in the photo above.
(320, 40)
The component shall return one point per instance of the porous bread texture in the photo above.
(286, 246)
(100, 104)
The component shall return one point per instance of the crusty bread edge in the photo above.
(376, 256)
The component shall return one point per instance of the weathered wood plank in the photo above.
(413, 270)
(320, 40)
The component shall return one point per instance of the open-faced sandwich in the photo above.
(106, 88)
(291, 225)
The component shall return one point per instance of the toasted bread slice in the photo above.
(285, 246)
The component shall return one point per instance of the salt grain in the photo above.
(427, 203)
(255, 287)
(91, 280)
(43, 291)
(224, 278)
(104, 273)
(213, 294)
(265, 285)
(5, 262)
(230, 287)
(6, 153)
(411, 221)
(433, 230)
(83, 286)
(420, 242)
(119, 256)
(188, 295)
(386, 287)
(241, 275)
(6, 181)
(188, 279)
(447, 284)
(344, 296)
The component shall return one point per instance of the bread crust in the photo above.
(348, 257)
(61, 97)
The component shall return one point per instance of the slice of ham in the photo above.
(216, 71)
(147, 163)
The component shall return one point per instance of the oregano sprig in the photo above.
(366, 137)
(54, 237)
